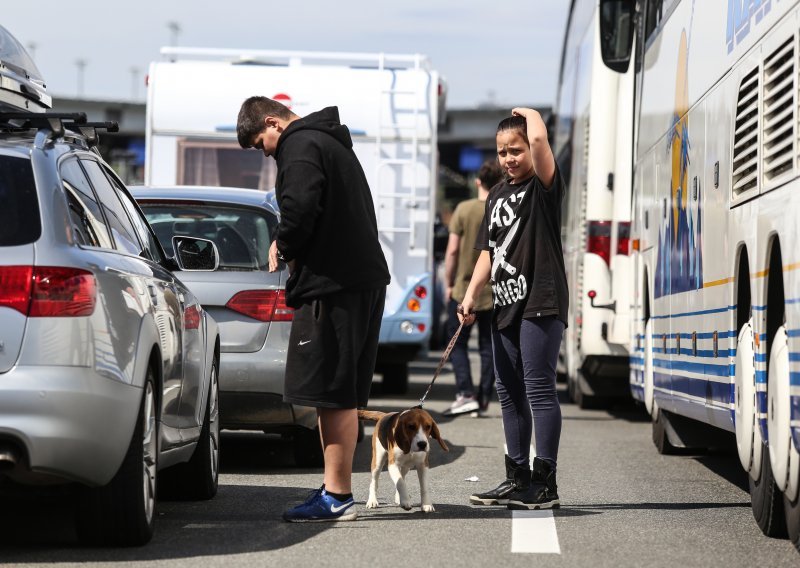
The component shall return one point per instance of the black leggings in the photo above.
(525, 357)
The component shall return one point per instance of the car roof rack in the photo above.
(19, 121)
(89, 129)
(57, 123)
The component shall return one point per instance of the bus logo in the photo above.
(680, 263)
(740, 15)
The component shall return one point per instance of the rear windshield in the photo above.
(19, 206)
(241, 235)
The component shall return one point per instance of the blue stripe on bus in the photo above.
(718, 392)
(794, 357)
(704, 368)
(759, 308)
(761, 357)
(761, 377)
(699, 313)
(794, 380)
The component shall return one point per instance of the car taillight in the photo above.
(191, 317)
(15, 287)
(48, 291)
(624, 238)
(421, 292)
(598, 239)
(263, 305)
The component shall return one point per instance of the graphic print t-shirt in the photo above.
(522, 231)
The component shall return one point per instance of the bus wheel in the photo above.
(660, 437)
(748, 436)
(779, 408)
(649, 392)
(767, 501)
(792, 509)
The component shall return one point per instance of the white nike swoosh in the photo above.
(335, 509)
(304, 342)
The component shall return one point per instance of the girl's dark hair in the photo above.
(251, 118)
(517, 123)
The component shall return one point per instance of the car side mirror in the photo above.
(193, 254)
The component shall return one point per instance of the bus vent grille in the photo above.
(779, 123)
(745, 137)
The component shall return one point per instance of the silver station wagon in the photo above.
(245, 299)
(108, 363)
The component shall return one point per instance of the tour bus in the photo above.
(596, 167)
(392, 105)
(715, 310)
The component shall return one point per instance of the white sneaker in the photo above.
(464, 404)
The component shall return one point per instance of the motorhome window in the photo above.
(19, 206)
(125, 239)
(222, 163)
(88, 224)
(617, 19)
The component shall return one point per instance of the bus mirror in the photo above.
(616, 33)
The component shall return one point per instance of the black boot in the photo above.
(517, 478)
(542, 493)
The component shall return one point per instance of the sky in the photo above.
(503, 54)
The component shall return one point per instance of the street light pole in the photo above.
(81, 65)
(175, 30)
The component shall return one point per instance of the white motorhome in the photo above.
(715, 313)
(596, 166)
(391, 104)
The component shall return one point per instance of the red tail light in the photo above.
(191, 317)
(421, 292)
(15, 287)
(624, 238)
(598, 240)
(48, 291)
(263, 305)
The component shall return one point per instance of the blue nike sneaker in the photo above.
(321, 507)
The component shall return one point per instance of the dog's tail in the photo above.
(373, 415)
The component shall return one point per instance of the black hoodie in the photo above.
(328, 225)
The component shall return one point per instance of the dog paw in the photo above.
(406, 505)
(428, 509)
(372, 504)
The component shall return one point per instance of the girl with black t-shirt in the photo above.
(520, 244)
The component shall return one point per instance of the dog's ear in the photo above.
(401, 435)
(438, 437)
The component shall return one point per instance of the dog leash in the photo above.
(445, 355)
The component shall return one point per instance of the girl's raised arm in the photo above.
(544, 164)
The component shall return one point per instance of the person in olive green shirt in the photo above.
(459, 262)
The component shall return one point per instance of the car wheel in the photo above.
(202, 471)
(395, 378)
(308, 448)
(767, 501)
(198, 479)
(122, 513)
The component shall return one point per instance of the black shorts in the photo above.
(332, 349)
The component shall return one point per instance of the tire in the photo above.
(201, 473)
(395, 378)
(308, 448)
(792, 514)
(122, 513)
(660, 438)
(767, 501)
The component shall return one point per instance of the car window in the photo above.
(88, 224)
(19, 206)
(139, 223)
(242, 235)
(124, 234)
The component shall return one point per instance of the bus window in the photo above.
(654, 11)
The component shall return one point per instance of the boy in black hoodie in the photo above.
(328, 236)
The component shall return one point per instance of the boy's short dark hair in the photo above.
(490, 174)
(251, 118)
(517, 123)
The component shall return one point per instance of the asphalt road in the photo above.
(622, 505)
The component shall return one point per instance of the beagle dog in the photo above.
(405, 439)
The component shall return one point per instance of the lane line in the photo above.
(534, 532)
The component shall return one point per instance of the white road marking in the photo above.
(533, 532)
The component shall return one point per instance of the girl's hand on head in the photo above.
(524, 112)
